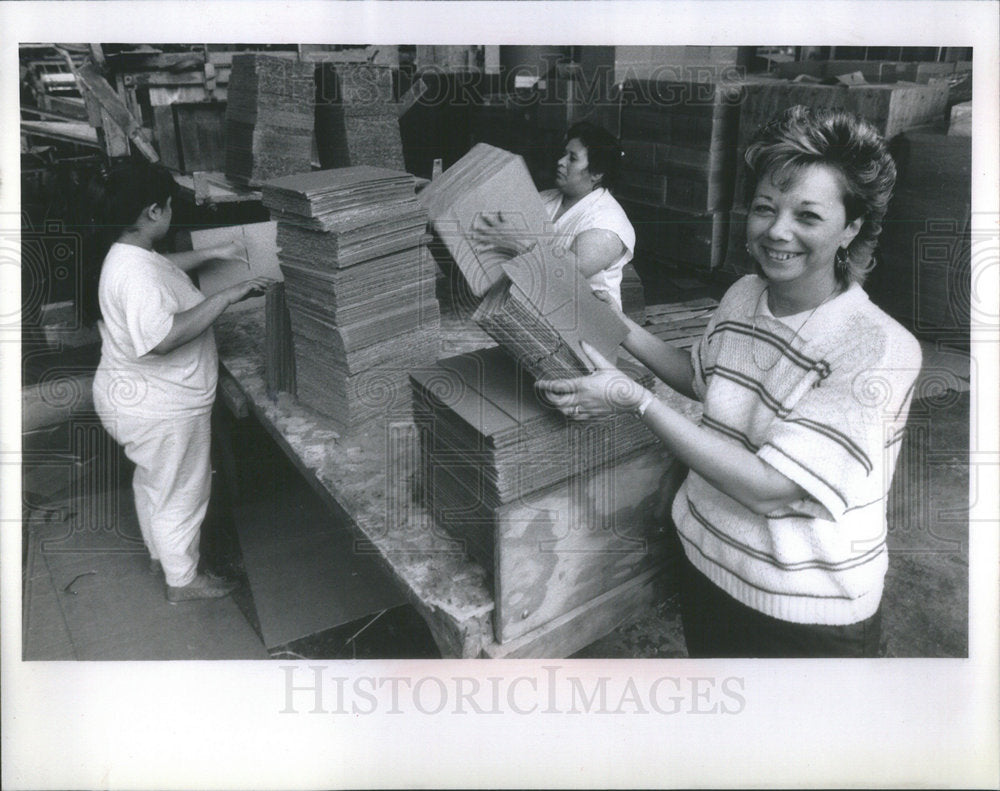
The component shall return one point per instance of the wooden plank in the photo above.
(81, 134)
(558, 550)
(165, 131)
(213, 188)
(581, 626)
(185, 94)
(232, 396)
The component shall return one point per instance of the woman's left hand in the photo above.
(604, 392)
(498, 232)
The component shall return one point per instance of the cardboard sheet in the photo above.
(305, 572)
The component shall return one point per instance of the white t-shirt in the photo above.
(140, 291)
(599, 210)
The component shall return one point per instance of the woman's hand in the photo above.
(498, 232)
(246, 289)
(606, 391)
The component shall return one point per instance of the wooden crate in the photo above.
(555, 550)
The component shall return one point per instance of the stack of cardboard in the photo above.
(485, 181)
(359, 286)
(269, 117)
(357, 116)
(542, 310)
(679, 140)
(489, 440)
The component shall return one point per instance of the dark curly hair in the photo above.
(801, 137)
(603, 152)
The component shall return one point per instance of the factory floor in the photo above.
(91, 597)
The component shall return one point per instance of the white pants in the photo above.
(172, 483)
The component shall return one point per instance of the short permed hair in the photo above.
(800, 137)
(604, 154)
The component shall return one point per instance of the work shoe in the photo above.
(201, 587)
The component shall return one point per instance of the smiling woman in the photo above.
(806, 386)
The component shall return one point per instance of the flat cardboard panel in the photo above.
(305, 570)
(567, 303)
(262, 249)
(487, 180)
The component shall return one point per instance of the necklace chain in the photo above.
(753, 349)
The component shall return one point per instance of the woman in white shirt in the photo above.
(588, 221)
(155, 383)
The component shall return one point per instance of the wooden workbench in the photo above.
(368, 481)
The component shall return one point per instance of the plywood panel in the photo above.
(558, 550)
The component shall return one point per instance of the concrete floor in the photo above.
(926, 596)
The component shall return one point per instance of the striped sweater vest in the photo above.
(826, 407)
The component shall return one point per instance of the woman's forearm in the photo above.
(735, 472)
(670, 364)
(189, 324)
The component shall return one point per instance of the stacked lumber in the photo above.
(357, 116)
(488, 440)
(269, 117)
(680, 324)
(679, 141)
(359, 286)
(542, 310)
(486, 180)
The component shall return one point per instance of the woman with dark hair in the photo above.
(805, 386)
(155, 383)
(588, 221)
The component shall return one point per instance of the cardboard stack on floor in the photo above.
(487, 440)
(359, 288)
(269, 117)
(357, 116)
